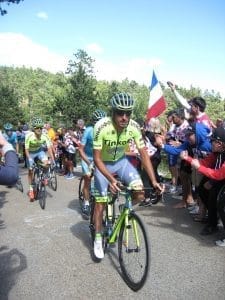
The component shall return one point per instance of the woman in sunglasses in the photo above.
(213, 169)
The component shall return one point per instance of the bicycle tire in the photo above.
(35, 183)
(80, 192)
(42, 195)
(53, 180)
(135, 269)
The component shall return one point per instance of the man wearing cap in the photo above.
(213, 169)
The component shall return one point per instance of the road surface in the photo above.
(45, 254)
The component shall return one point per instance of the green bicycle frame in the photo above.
(118, 224)
(124, 217)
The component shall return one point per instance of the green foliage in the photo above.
(9, 108)
(63, 98)
(36, 91)
(80, 99)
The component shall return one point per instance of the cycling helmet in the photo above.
(8, 126)
(122, 101)
(97, 115)
(37, 122)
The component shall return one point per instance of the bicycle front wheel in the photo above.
(42, 195)
(53, 180)
(134, 252)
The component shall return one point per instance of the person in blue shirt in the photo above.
(86, 154)
(198, 140)
(198, 145)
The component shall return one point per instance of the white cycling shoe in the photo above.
(98, 249)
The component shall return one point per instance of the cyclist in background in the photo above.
(112, 136)
(86, 154)
(35, 144)
(11, 136)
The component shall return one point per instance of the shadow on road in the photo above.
(81, 231)
(12, 262)
(2, 202)
(181, 220)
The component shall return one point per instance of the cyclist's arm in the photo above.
(83, 155)
(27, 153)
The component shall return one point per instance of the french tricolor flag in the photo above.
(156, 103)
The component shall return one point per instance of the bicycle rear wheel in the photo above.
(134, 252)
(35, 183)
(53, 180)
(42, 195)
(80, 192)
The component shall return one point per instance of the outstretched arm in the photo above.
(179, 97)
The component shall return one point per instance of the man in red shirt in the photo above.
(213, 167)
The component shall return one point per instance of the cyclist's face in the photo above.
(121, 118)
(9, 132)
(38, 130)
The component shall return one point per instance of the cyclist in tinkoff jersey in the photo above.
(35, 144)
(86, 154)
(112, 136)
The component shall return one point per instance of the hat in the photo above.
(191, 129)
(219, 134)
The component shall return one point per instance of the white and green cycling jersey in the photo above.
(112, 144)
(34, 144)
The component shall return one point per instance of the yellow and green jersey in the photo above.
(113, 144)
(34, 144)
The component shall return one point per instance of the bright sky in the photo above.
(183, 41)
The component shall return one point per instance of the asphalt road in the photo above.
(45, 254)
